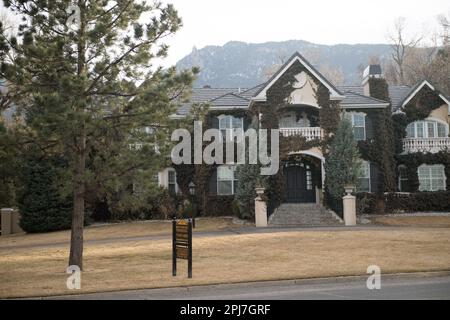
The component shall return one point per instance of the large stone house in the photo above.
(301, 102)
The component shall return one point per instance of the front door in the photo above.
(299, 184)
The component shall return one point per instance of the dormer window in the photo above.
(427, 129)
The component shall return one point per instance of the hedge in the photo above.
(438, 201)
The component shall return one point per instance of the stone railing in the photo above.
(310, 133)
(433, 145)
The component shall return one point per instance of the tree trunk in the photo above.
(76, 240)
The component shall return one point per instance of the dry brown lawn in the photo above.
(114, 231)
(226, 259)
(423, 221)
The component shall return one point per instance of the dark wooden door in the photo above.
(299, 186)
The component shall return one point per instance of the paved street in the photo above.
(416, 286)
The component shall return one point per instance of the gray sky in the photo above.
(215, 22)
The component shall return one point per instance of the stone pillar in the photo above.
(260, 209)
(6, 216)
(15, 222)
(349, 210)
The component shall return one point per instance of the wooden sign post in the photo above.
(182, 244)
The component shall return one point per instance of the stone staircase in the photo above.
(303, 215)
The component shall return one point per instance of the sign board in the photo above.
(182, 244)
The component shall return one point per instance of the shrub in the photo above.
(438, 201)
(41, 205)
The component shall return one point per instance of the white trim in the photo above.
(333, 94)
(227, 107)
(413, 94)
(365, 106)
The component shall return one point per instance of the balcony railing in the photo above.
(310, 133)
(432, 145)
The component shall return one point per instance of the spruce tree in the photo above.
(83, 75)
(343, 161)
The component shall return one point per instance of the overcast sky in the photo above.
(215, 22)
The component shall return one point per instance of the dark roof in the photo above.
(250, 93)
(298, 55)
(374, 69)
(206, 95)
(398, 95)
(353, 98)
(228, 100)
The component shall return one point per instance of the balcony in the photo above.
(432, 145)
(310, 133)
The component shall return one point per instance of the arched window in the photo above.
(427, 129)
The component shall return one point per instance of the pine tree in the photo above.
(343, 161)
(82, 74)
(42, 206)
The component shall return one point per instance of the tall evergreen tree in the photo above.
(83, 72)
(343, 161)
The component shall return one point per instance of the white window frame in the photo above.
(425, 124)
(367, 176)
(233, 180)
(352, 119)
(430, 177)
(227, 129)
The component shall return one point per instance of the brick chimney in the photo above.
(372, 71)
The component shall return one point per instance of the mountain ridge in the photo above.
(242, 64)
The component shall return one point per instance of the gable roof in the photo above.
(229, 100)
(335, 94)
(416, 90)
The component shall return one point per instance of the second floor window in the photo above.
(426, 129)
(358, 121)
(227, 123)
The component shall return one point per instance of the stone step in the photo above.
(303, 214)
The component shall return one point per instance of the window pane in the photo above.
(363, 185)
(172, 177)
(430, 126)
(224, 187)
(365, 169)
(420, 127)
(441, 130)
(410, 131)
(225, 173)
(358, 120)
(237, 123)
(359, 133)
